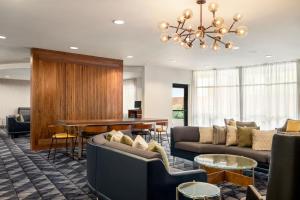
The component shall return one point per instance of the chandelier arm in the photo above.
(183, 23)
(231, 31)
(208, 27)
(216, 39)
(233, 23)
(177, 27)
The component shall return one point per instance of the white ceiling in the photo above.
(55, 24)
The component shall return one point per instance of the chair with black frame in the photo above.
(58, 132)
(143, 129)
(284, 173)
(90, 131)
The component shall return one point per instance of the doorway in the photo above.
(180, 105)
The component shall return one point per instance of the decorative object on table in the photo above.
(198, 190)
(59, 133)
(284, 170)
(222, 167)
(216, 30)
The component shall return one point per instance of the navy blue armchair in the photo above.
(16, 128)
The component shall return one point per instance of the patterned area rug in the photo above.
(29, 175)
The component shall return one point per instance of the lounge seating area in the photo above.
(136, 100)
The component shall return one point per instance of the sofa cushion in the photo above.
(262, 140)
(231, 136)
(185, 134)
(293, 126)
(129, 149)
(155, 147)
(246, 124)
(200, 148)
(260, 156)
(100, 139)
(126, 140)
(245, 136)
(140, 143)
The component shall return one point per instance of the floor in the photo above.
(29, 175)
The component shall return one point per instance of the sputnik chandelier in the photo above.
(186, 36)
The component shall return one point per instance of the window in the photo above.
(270, 94)
(216, 96)
(266, 94)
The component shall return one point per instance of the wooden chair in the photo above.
(162, 129)
(143, 129)
(120, 127)
(58, 132)
(90, 131)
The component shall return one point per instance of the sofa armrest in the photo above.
(253, 194)
(191, 175)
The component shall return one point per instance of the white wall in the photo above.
(13, 94)
(158, 84)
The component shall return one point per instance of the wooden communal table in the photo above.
(78, 125)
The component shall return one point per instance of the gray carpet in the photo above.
(29, 175)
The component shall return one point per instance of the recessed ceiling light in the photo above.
(2, 37)
(118, 21)
(129, 57)
(269, 56)
(235, 48)
(74, 48)
(7, 76)
(172, 60)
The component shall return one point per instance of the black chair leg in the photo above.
(55, 149)
(75, 143)
(67, 146)
(168, 138)
(81, 146)
(50, 148)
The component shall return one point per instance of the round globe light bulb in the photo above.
(215, 46)
(218, 22)
(242, 31)
(163, 25)
(203, 45)
(223, 30)
(187, 13)
(181, 19)
(237, 17)
(182, 43)
(176, 37)
(164, 38)
(213, 7)
(199, 34)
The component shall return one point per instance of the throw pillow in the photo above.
(232, 123)
(19, 117)
(293, 126)
(206, 135)
(262, 140)
(226, 121)
(219, 135)
(140, 143)
(231, 136)
(155, 147)
(245, 136)
(117, 137)
(125, 139)
(112, 133)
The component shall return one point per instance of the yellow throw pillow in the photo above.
(231, 136)
(140, 143)
(126, 140)
(262, 140)
(293, 126)
(232, 123)
(206, 135)
(117, 137)
(155, 147)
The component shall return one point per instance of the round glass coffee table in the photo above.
(224, 167)
(198, 190)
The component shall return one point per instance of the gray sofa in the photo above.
(185, 144)
(117, 171)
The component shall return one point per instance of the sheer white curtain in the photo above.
(270, 94)
(215, 96)
(129, 95)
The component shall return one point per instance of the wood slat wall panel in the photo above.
(73, 87)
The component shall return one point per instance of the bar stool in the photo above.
(143, 130)
(89, 131)
(59, 133)
(162, 129)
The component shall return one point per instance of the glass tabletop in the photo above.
(196, 190)
(225, 161)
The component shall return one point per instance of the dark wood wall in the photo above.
(72, 86)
